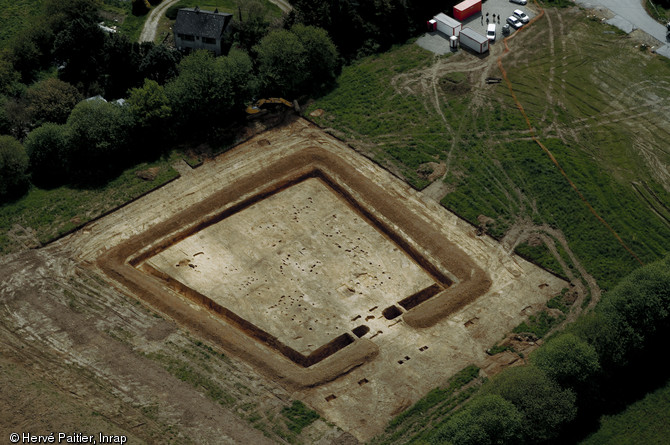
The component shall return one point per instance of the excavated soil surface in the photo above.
(456, 293)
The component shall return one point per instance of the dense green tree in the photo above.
(121, 66)
(238, 83)
(80, 49)
(47, 148)
(631, 317)
(209, 90)
(160, 64)
(5, 123)
(486, 420)
(60, 13)
(250, 25)
(15, 113)
(149, 105)
(546, 407)
(151, 112)
(9, 77)
(98, 140)
(140, 7)
(282, 60)
(26, 56)
(51, 100)
(362, 27)
(32, 49)
(321, 58)
(568, 360)
(13, 168)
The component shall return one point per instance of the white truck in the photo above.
(471, 39)
(447, 25)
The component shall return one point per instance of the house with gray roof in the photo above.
(199, 29)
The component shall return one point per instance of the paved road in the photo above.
(631, 15)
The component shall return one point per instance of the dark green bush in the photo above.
(13, 168)
(545, 406)
(488, 419)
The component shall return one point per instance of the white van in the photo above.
(491, 32)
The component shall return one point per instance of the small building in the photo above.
(446, 25)
(469, 38)
(467, 8)
(200, 29)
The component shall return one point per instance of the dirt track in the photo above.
(151, 25)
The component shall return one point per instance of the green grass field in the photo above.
(637, 425)
(50, 213)
(601, 116)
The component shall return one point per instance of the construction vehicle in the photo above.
(262, 105)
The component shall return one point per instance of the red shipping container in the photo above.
(467, 8)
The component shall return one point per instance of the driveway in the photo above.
(631, 15)
(150, 26)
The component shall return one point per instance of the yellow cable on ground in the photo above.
(546, 150)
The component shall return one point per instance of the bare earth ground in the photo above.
(74, 338)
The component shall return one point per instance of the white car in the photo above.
(491, 32)
(519, 2)
(516, 23)
(521, 16)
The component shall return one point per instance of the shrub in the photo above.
(13, 167)
(568, 360)
(488, 419)
(51, 100)
(545, 406)
(141, 7)
(46, 147)
(632, 316)
(98, 140)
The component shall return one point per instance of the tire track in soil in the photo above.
(523, 229)
(544, 148)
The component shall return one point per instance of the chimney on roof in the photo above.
(196, 9)
(216, 11)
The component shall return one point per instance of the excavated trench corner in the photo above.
(302, 258)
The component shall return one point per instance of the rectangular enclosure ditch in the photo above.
(274, 279)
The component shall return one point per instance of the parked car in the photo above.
(521, 16)
(516, 23)
(505, 29)
(519, 2)
(491, 32)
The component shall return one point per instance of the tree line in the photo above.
(598, 365)
(360, 28)
(56, 136)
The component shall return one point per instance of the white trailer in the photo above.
(473, 40)
(447, 25)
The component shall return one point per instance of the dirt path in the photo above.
(149, 31)
(524, 229)
(282, 4)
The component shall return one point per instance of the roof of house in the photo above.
(197, 22)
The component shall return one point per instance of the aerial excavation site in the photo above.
(324, 272)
